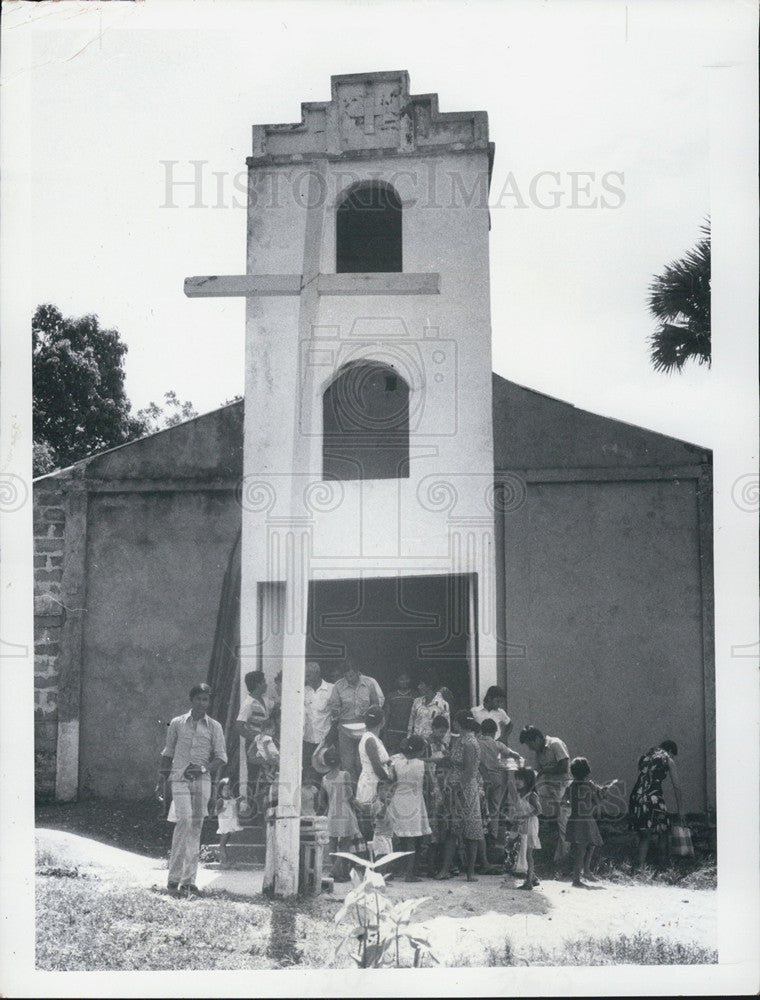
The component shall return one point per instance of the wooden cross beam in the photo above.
(365, 283)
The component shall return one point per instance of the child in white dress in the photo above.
(227, 815)
(526, 809)
(336, 800)
(406, 809)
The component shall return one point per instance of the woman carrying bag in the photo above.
(648, 813)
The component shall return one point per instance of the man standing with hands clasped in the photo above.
(194, 750)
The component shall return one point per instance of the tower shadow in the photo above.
(282, 934)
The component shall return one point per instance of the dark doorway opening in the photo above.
(386, 625)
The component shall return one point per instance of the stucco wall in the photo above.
(603, 590)
(606, 581)
(155, 565)
(130, 551)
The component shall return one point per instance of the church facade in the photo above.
(381, 497)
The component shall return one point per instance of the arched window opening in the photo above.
(365, 413)
(368, 230)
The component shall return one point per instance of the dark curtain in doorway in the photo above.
(223, 671)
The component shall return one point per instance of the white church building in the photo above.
(399, 504)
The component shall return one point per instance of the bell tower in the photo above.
(368, 421)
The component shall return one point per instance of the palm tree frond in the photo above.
(679, 298)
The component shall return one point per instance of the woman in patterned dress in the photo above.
(462, 817)
(647, 809)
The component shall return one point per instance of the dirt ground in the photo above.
(466, 923)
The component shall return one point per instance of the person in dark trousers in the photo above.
(398, 708)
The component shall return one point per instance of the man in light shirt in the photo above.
(349, 699)
(317, 717)
(494, 707)
(552, 778)
(430, 705)
(194, 750)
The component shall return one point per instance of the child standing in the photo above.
(309, 796)
(265, 752)
(584, 797)
(493, 760)
(336, 799)
(381, 842)
(406, 809)
(440, 738)
(526, 809)
(227, 815)
(436, 764)
(263, 760)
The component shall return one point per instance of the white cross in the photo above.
(257, 285)
(308, 285)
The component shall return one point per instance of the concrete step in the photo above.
(246, 854)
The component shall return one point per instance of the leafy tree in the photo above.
(79, 403)
(43, 458)
(680, 299)
(156, 418)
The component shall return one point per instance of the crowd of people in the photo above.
(410, 772)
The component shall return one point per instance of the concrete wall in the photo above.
(130, 552)
(155, 565)
(606, 581)
(607, 586)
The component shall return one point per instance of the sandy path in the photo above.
(59, 848)
(482, 915)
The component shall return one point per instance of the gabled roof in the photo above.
(208, 447)
(531, 431)
(535, 431)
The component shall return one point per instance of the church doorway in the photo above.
(387, 625)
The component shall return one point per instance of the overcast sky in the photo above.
(617, 91)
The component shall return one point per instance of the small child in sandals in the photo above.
(584, 797)
(525, 808)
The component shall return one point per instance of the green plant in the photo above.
(380, 926)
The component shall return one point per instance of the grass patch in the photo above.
(624, 949)
(60, 871)
(91, 925)
(689, 873)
